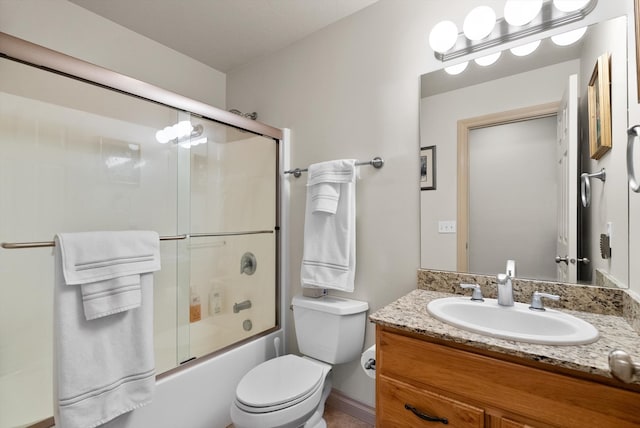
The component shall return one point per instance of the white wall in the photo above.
(609, 199)
(70, 29)
(352, 90)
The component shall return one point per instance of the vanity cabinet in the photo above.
(419, 377)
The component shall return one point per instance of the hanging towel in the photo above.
(104, 366)
(329, 229)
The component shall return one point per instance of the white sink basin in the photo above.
(518, 322)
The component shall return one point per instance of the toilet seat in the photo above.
(279, 383)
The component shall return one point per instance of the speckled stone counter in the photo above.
(409, 313)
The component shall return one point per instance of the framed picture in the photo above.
(599, 98)
(428, 168)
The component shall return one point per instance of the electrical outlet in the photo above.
(447, 226)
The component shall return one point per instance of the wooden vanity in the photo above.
(424, 373)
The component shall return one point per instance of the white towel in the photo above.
(107, 266)
(329, 255)
(104, 367)
(324, 197)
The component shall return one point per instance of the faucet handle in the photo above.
(477, 292)
(536, 300)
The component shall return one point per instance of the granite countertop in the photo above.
(409, 313)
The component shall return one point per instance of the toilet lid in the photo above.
(278, 381)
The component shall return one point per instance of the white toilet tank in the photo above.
(329, 328)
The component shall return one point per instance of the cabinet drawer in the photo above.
(550, 398)
(394, 396)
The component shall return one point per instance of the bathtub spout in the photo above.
(237, 307)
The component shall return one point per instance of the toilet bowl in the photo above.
(290, 391)
(283, 392)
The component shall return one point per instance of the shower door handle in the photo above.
(564, 260)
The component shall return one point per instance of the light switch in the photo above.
(448, 226)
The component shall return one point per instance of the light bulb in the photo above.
(479, 23)
(521, 12)
(488, 59)
(569, 5)
(525, 50)
(443, 36)
(162, 137)
(183, 128)
(170, 132)
(457, 69)
(568, 38)
(197, 141)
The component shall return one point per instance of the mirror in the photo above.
(504, 190)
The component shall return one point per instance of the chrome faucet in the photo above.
(505, 287)
(505, 290)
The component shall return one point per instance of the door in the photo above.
(567, 172)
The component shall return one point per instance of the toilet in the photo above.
(290, 391)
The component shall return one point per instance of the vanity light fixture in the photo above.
(479, 23)
(456, 69)
(521, 12)
(569, 5)
(551, 14)
(569, 38)
(179, 132)
(443, 36)
(525, 50)
(487, 60)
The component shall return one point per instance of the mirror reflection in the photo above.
(512, 140)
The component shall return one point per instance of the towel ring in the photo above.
(632, 133)
(585, 185)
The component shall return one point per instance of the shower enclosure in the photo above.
(77, 156)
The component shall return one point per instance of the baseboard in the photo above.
(352, 407)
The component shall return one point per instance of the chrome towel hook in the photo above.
(632, 133)
(585, 185)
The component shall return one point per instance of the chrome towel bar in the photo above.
(376, 162)
(40, 244)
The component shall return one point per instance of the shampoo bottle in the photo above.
(195, 312)
(216, 297)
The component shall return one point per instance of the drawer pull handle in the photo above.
(424, 416)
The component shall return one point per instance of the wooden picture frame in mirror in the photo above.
(599, 98)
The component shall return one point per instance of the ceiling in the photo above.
(224, 34)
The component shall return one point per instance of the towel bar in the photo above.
(17, 245)
(376, 162)
(40, 244)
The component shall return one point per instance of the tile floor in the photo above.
(338, 419)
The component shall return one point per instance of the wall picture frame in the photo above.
(428, 168)
(599, 99)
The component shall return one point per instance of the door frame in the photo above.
(464, 127)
